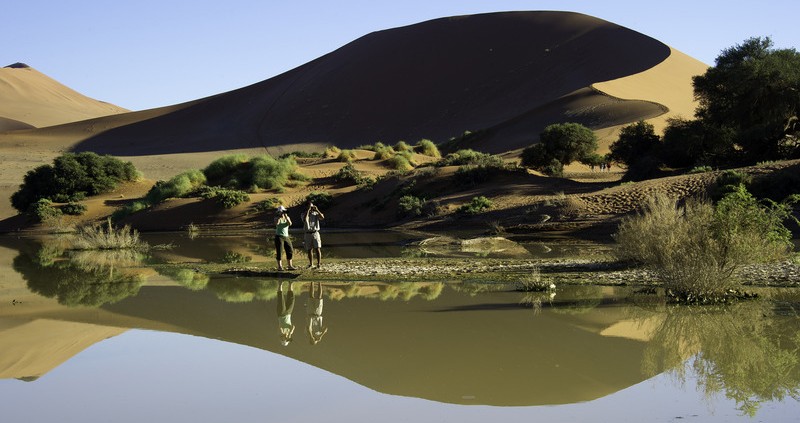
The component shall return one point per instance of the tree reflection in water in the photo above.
(81, 278)
(748, 350)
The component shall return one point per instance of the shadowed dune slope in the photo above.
(35, 100)
(431, 80)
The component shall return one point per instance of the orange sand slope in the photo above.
(32, 99)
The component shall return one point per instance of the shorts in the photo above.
(312, 240)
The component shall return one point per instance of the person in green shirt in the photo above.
(282, 240)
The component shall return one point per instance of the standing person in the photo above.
(312, 239)
(282, 240)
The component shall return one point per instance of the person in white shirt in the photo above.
(312, 239)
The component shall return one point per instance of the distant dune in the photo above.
(35, 100)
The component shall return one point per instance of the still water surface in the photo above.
(99, 339)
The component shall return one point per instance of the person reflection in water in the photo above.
(285, 307)
(316, 327)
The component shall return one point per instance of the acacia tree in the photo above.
(560, 144)
(754, 91)
(635, 141)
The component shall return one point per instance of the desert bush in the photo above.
(178, 186)
(696, 249)
(348, 174)
(403, 146)
(728, 182)
(128, 210)
(476, 205)
(346, 156)
(700, 169)
(72, 177)
(260, 172)
(74, 209)
(428, 148)
(383, 152)
(302, 154)
(43, 210)
(401, 161)
(410, 206)
(107, 237)
(332, 152)
(227, 198)
(321, 199)
(269, 204)
(472, 157)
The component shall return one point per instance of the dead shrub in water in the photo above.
(107, 237)
(697, 248)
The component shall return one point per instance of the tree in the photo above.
(754, 90)
(635, 141)
(560, 144)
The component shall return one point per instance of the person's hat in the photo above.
(281, 209)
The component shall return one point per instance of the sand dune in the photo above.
(32, 98)
(506, 75)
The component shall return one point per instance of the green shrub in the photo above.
(409, 205)
(129, 209)
(428, 148)
(107, 237)
(228, 198)
(346, 156)
(332, 151)
(180, 185)
(700, 169)
(696, 249)
(400, 161)
(259, 172)
(43, 210)
(472, 157)
(403, 146)
(269, 204)
(320, 199)
(349, 175)
(74, 209)
(383, 152)
(476, 205)
(301, 154)
(728, 182)
(72, 177)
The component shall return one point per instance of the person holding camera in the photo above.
(282, 240)
(312, 239)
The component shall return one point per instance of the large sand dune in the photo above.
(505, 74)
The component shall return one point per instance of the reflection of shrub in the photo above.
(73, 286)
(233, 257)
(190, 279)
(477, 205)
(696, 249)
(243, 290)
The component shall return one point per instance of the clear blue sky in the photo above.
(141, 54)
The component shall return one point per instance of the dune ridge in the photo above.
(33, 98)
